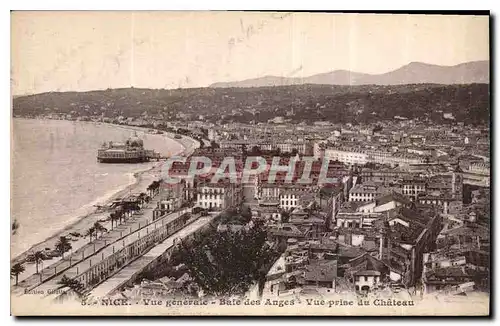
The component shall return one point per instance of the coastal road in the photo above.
(139, 264)
(94, 258)
(81, 247)
(83, 224)
(132, 225)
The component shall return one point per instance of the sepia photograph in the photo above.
(250, 163)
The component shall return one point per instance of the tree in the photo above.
(116, 217)
(154, 187)
(63, 245)
(246, 213)
(38, 256)
(285, 217)
(74, 285)
(120, 213)
(213, 144)
(143, 198)
(99, 228)
(16, 270)
(90, 232)
(225, 263)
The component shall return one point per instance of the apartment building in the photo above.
(347, 156)
(360, 157)
(289, 199)
(412, 187)
(218, 196)
(367, 192)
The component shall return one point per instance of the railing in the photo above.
(101, 271)
(61, 268)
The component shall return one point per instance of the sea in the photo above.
(55, 176)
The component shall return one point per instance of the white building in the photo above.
(350, 157)
(364, 192)
(384, 203)
(361, 157)
(289, 200)
(218, 196)
(366, 280)
(413, 187)
(317, 150)
(289, 146)
(212, 134)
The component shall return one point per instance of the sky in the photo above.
(79, 51)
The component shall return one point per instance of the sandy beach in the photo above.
(142, 179)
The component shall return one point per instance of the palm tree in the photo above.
(124, 211)
(121, 216)
(119, 213)
(90, 232)
(142, 198)
(99, 228)
(63, 245)
(134, 207)
(115, 216)
(16, 270)
(38, 256)
(154, 187)
(74, 285)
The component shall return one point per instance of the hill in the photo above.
(413, 73)
(298, 103)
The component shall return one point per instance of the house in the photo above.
(280, 233)
(289, 199)
(321, 273)
(312, 224)
(366, 280)
(219, 195)
(369, 273)
(367, 192)
(384, 203)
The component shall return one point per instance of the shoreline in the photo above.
(81, 222)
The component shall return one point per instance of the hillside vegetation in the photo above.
(367, 103)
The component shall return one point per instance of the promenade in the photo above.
(96, 251)
(82, 247)
(134, 268)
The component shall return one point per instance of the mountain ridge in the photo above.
(412, 73)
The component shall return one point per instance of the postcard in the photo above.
(250, 163)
